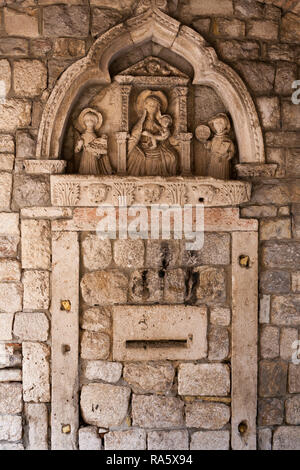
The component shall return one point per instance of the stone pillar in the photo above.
(185, 152)
(122, 152)
(181, 94)
(123, 134)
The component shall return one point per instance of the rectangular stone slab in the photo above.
(156, 332)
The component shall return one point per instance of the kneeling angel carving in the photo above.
(92, 150)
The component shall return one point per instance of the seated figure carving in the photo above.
(149, 150)
(92, 150)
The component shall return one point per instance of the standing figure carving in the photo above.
(149, 150)
(89, 148)
(221, 148)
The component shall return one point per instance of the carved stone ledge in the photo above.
(49, 167)
(91, 191)
(256, 171)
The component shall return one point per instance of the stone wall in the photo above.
(39, 40)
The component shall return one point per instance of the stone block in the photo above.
(102, 370)
(104, 405)
(259, 211)
(264, 309)
(286, 438)
(36, 383)
(9, 224)
(13, 47)
(36, 244)
(275, 282)
(104, 288)
(233, 50)
(36, 290)
(6, 323)
(220, 316)
(288, 336)
(203, 379)
(292, 410)
(40, 47)
(5, 190)
(290, 28)
(210, 440)
(37, 421)
(286, 74)
(10, 356)
(146, 286)
(218, 341)
(31, 326)
(216, 250)
(203, 8)
(290, 116)
(174, 289)
(258, 75)
(211, 285)
(207, 415)
(269, 109)
(96, 253)
(270, 412)
(282, 139)
(25, 23)
(89, 438)
(9, 247)
(10, 375)
(66, 21)
(68, 47)
(279, 255)
(152, 377)
(31, 191)
(14, 113)
(7, 143)
(264, 439)
(10, 428)
(134, 439)
(248, 9)
(7, 161)
(285, 310)
(151, 411)
(168, 440)
(272, 378)
(5, 74)
(296, 282)
(294, 378)
(94, 345)
(292, 162)
(30, 78)
(11, 446)
(163, 254)
(25, 145)
(103, 20)
(10, 297)
(129, 253)
(269, 342)
(263, 29)
(96, 319)
(228, 27)
(10, 398)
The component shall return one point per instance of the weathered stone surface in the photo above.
(150, 411)
(7, 162)
(220, 316)
(102, 370)
(68, 47)
(216, 250)
(10, 375)
(292, 410)
(286, 438)
(207, 104)
(36, 244)
(262, 29)
(251, 70)
(202, 8)
(96, 253)
(168, 440)
(275, 282)
(155, 377)
(203, 379)
(294, 378)
(94, 345)
(7, 143)
(211, 285)
(248, 9)
(66, 21)
(11, 446)
(25, 23)
(276, 155)
(228, 27)
(5, 190)
(9, 224)
(10, 398)
(285, 310)
(10, 356)
(264, 309)
(210, 440)
(10, 428)
(31, 326)
(51, 213)
(104, 405)
(296, 282)
(36, 290)
(10, 297)
(6, 322)
(134, 439)
(162, 253)
(13, 47)
(8, 246)
(36, 384)
(202, 25)
(129, 253)
(283, 211)
(104, 287)
(282, 139)
(207, 415)
(290, 28)
(5, 75)
(40, 47)
(272, 378)
(174, 289)
(96, 319)
(270, 412)
(290, 115)
(286, 74)
(103, 20)
(25, 145)
(292, 163)
(218, 341)
(37, 420)
(30, 77)
(264, 439)
(146, 286)
(269, 342)
(287, 337)
(14, 113)
(89, 438)
(269, 109)
(31, 191)
(279, 255)
(234, 50)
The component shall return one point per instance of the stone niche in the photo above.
(167, 336)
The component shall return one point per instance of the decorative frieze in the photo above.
(38, 167)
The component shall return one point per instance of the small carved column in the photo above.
(123, 134)
(180, 94)
(185, 152)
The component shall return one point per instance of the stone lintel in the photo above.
(248, 170)
(48, 167)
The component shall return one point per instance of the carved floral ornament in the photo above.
(164, 137)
